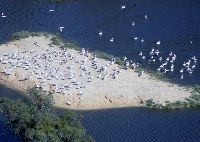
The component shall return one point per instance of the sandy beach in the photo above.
(75, 81)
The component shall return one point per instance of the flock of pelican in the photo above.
(167, 65)
(56, 70)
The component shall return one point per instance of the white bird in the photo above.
(135, 38)
(100, 33)
(111, 40)
(181, 77)
(123, 7)
(181, 71)
(158, 42)
(61, 28)
(193, 66)
(140, 54)
(3, 16)
(124, 58)
(142, 40)
(145, 16)
(133, 24)
(51, 10)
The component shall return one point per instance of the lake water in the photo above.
(175, 23)
(143, 125)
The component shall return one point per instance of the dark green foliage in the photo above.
(56, 40)
(196, 88)
(192, 102)
(43, 125)
(71, 46)
(103, 55)
(40, 98)
(26, 34)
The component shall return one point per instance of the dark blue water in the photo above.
(142, 125)
(174, 22)
(6, 134)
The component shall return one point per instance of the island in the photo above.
(77, 78)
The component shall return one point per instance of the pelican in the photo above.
(61, 28)
(111, 40)
(142, 40)
(133, 24)
(181, 71)
(181, 77)
(124, 58)
(193, 66)
(123, 7)
(100, 33)
(158, 42)
(141, 73)
(145, 16)
(194, 58)
(3, 16)
(158, 69)
(135, 38)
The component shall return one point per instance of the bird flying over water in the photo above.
(123, 7)
(100, 33)
(111, 40)
(61, 28)
(145, 16)
(3, 16)
(158, 42)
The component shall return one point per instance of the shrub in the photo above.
(32, 124)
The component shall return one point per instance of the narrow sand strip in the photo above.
(86, 91)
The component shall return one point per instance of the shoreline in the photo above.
(123, 93)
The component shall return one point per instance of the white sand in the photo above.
(127, 90)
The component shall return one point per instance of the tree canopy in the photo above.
(39, 122)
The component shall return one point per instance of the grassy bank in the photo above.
(37, 120)
(192, 102)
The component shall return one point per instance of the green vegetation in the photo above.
(26, 34)
(55, 38)
(38, 121)
(192, 102)
(71, 46)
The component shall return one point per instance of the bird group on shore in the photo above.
(56, 70)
